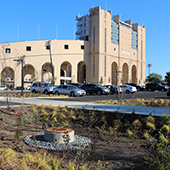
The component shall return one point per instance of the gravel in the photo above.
(38, 141)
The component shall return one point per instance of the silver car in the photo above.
(42, 87)
(69, 90)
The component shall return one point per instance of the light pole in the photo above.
(48, 46)
(149, 66)
(21, 60)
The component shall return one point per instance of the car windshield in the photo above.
(48, 84)
(73, 87)
(99, 85)
(159, 84)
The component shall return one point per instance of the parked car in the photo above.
(42, 87)
(138, 87)
(95, 88)
(114, 89)
(168, 93)
(19, 88)
(155, 86)
(76, 84)
(69, 90)
(3, 88)
(128, 88)
(28, 88)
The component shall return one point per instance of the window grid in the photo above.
(93, 66)
(105, 66)
(94, 39)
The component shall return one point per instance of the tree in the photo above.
(167, 78)
(154, 77)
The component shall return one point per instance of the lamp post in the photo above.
(149, 66)
(48, 47)
(21, 60)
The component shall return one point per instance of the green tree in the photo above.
(167, 78)
(154, 77)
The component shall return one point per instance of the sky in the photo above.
(55, 19)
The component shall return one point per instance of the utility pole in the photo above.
(149, 66)
(48, 46)
(21, 60)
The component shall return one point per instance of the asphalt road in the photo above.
(94, 98)
(123, 96)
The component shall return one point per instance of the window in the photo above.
(94, 39)
(105, 66)
(105, 39)
(8, 50)
(66, 47)
(84, 19)
(82, 47)
(28, 48)
(141, 50)
(93, 66)
(84, 24)
(114, 49)
(84, 31)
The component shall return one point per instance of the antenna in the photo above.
(73, 32)
(106, 5)
(18, 33)
(57, 31)
(38, 31)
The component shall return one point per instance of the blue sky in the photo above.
(55, 19)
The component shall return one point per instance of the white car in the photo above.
(3, 88)
(28, 88)
(128, 89)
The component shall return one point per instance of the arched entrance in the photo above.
(125, 73)
(81, 72)
(47, 72)
(7, 77)
(65, 72)
(114, 73)
(134, 74)
(29, 72)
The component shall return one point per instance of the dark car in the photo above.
(95, 88)
(19, 88)
(138, 87)
(168, 93)
(155, 86)
(76, 84)
(114, 89)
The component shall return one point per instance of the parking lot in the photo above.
(93, 98)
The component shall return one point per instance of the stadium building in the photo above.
(106, 50)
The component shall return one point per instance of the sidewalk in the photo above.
(141, 110)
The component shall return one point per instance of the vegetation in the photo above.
(167, 78)
(139, 102)
(105, 130)
(27, 95)
(154, 77)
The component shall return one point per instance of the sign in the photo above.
(123, 52)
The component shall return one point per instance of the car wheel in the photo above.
(57, 93)
(72, 94)
(111, 92)
(127, 91)
(45, 92)
(33, 91)
(99, 92)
